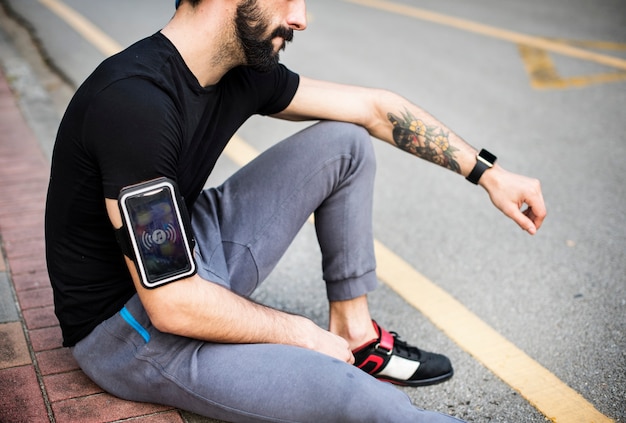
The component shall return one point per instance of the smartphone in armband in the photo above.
(159, 231)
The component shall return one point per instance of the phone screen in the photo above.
(158, 235)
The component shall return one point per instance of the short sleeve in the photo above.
(131, 131)
(275, 89)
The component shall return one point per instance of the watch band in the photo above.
(484, 160)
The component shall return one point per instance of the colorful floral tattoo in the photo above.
(428, 142)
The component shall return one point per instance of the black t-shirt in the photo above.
(142, 114)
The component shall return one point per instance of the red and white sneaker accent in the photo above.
(390, 359)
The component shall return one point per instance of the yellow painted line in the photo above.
(240, 152)
(107, 45)
(543, 73)
(493, 32)
(539, 386)
(539, 66)
(600, 45)
(557, 401)
(583, 81)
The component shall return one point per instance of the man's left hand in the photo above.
(510, 192)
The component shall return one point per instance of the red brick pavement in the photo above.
(39, 379)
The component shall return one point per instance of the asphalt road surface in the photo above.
(535, 326)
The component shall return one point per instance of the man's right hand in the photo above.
(328, 343)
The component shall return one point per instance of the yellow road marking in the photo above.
(84, 27)
(539, 386)
(493, 32)
(557, 401)
(599, 45)
(240, 152)
(543, 73)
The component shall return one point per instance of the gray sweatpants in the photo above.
(242, 229)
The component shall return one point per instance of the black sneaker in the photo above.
(392, 360)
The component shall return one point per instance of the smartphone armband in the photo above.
(157, 231)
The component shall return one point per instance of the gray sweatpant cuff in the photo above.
(351, 288)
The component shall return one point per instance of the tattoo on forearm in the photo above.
(428, 142)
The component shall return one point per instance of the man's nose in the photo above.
(297, 16)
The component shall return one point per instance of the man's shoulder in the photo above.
(139, 74)
(143, 58)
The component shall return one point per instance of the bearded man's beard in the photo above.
(257, 48)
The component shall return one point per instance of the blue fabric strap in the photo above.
(135, 324)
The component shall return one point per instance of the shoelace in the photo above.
(411, 351)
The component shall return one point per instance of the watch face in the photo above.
(487, 156)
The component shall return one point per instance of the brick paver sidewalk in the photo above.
(39, 380)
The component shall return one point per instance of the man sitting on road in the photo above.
(166, 107)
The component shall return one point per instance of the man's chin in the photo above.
(266, 65)
(265, 57)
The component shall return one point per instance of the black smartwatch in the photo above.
(484, 160)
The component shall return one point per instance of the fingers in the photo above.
(529, 220)
(535, 218)
(333, 345)
(350, 359)
(536, 210)
(511, 192)
(532, 229)
(523, 220)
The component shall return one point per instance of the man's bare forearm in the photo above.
(416, 131)
(429, 142)
(199, 309)
(412, 129)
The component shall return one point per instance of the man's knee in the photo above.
(346, 131)
(354, 137)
